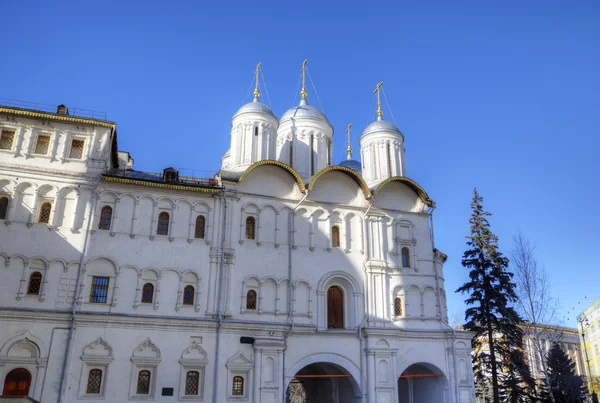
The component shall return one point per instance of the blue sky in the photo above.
(504, 96)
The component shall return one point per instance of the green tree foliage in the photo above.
(565, 386)
(491, 293)
(516, 383)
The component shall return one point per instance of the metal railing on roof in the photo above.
(48, 108)
(206, 180)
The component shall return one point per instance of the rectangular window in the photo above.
(99, 291)
(42, 144)
(76, 149)
(6, 139)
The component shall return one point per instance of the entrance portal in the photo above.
(323, 382)
(423, 383)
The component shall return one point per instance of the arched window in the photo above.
(200, 223)
(250, 228)
(105, 217)
(147, 293)
(143, 383)
(192, 381)
(335, 308)
(163, 224)
(94, 382)
(45, 213)
(17, 383)
(35, 283)
(405, 257)
(237, 388)
(251, 300)
(188, 295)
(335, 236)
(3, 207)
(398, 307)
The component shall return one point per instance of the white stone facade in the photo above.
(146, 303)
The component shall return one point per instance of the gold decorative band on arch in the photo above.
(58, 118)
(279, 164)
(350, 172)
(411, 184)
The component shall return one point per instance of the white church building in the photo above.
(285, 278)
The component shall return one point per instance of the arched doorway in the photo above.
(423, 383)
(17, 383)
(335, 308)
(323, 382)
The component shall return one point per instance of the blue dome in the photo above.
(352, 164)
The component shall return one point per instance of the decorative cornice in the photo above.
(350, 172)
(58, 118)
(128, 181)
(278, 164)
(411, 184)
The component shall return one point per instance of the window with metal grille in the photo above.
(143, 383)
(237, 388)
(76, 149)
(335, 236)
(398, 307)
(3, 207)
(188, 295)
(251, 300)
(335, 308)
(35, 283)
(405, 257)
(200, 222)
(45, 213)
(250, 228)
(163, 224)
(105, 217)
(6, 139)
(192, 383)
(147, 293)
(99, 290)
(42, 144)
(94, 382)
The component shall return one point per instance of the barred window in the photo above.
(405, 257)
(200, 222)
(192, 382)
(6, 139)
(250, 228)
(251, 300)
(163, 224)
(398, 307)
(76, 149)
(237, 388)
(188, 295)
(94, 382)
(3, 207)
(105, 217)
(42, 144)
(335, 236)
(147, 293)
(35, 283)
(45, 213)
(143, 383)
(99, 290)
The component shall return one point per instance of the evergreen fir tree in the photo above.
(564, 384)
(489, 314)
(516, 383)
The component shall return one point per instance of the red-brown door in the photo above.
(17, 383)
(335, 308)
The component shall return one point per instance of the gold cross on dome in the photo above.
(378, 92)
(303, 71)
(256, 92)
(349, 147)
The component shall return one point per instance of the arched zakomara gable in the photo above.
(272, 178)
(401, 183)
(341, 188)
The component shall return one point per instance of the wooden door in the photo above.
(335, 308)
(17, 383)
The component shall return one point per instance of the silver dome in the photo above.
(255, 107)
(305, 111)
(381, 126)
(352, 164)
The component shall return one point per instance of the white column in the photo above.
(256, 376)
(371, 398)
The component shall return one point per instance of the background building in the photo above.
(589, 332)
(282, 273)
